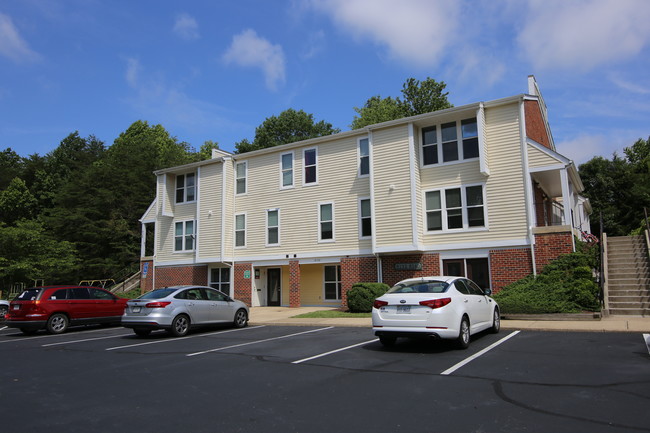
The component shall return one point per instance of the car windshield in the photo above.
(29, 295)
(420, 287)
(158, 294)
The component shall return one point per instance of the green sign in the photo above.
(247, 274)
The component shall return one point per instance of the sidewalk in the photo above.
(284, 316)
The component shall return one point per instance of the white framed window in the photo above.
(184, 235)
(332, 282)
(286, 170)
(220, 279)
(272, 227)
(185, 188)
(450, 142)
(459, 208)
(363, 146)
(240, 230)
(326, 222)
(365, 218)
(241, 173)
(310, 163)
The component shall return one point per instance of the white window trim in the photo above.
(304, 167)
(196, 189)
(245, 163)
(361, 236)
(320, 221)
(293, 171)
(339, 293)
(359, 157)
(459, 143)
(184, 250)
(230, 281)
(266, 233)
(443, 208)
(234, 241)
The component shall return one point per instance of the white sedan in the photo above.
(441, 307)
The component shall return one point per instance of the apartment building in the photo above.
(477, 190)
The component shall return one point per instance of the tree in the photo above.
(16, 202)
(206, 149)
(288, 127)
(11, 166)
(419, 97)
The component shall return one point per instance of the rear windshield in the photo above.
(420, 287)
(158, 294)
(29, 295)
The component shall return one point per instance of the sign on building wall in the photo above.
(247, 274)
(408, 266)
(145, 269)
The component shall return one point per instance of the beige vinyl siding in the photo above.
(151, 212)
(391, 165)
(229, 223)
(166, 188)
(537, 158)
(210, 194)
(182, 212)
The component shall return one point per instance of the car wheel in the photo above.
(57, 323)
(180, 326)
(3, 311)
(496, 322)
(241, 318)
(28, 331)
(387, 341)
(141, 332)
(462, 342)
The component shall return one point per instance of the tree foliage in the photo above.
(419, 97)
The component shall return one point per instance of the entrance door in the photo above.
(273, 277)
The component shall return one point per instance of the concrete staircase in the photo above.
(628, 276)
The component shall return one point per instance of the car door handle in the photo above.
(466, 300)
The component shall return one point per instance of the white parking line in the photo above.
(3, 328)
(168, 340)
(81, 341)
(334, 351)
(476, 355)
(47, 336)
(256, 342)
(646, 338)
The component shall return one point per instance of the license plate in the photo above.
(136, 309)
(403, 309)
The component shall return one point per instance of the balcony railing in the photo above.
(549, 213)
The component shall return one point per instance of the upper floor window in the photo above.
(455, 208)
(286, 170)
(364, 157)
(365, 218)
(184, 235)
(326, 219)
(311, 167)
(240, 230)
(272, 227)
(241, 169)
(450, 142)
(185, 187)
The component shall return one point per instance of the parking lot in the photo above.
(323, 379)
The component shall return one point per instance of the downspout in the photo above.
(373, 222)
(528, 187)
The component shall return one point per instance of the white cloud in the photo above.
(417, 31)
(132, 71)
(186, 27)
(12, 45)
(249, 50)
(583, 34)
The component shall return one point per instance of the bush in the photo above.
(362, 295)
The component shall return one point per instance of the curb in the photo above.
(553, 317)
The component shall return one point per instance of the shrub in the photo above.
(362, 295)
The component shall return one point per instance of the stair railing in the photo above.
(604, 269)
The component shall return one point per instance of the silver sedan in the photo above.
(178, 309)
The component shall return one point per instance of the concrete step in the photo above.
(629, 292)
(629, 305)
(629, 312)
(639, 298)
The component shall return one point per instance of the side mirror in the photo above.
(487, 291)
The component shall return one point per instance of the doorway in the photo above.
(273, 286)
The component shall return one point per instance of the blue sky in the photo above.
(214, 70)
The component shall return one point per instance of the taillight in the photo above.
(157, 304)
(378, 304)
(436, 303)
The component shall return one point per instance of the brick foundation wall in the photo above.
(146, 282)
(391, 276)
(549, 246)
(356, 270)
(294, 283)
(508, 266)
(243, 286)
(175, 275)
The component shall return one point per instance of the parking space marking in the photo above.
(258, 341)
(646, 338)
(168, 340)
(34, 337)
(476, 355)
(334, 351)
(81, 341)
(3, 328)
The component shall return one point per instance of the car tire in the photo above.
(57, 323)
(3, 310)
(462, 342)
(496, 322)
(180, 326)
(387, 341)
(142, 332)
(241, 318)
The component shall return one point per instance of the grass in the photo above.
(328, 314)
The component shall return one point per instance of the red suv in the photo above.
(57, 307)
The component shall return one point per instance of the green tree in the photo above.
(73, 155)
(419, 97)
(288, 127)
(11, 166)
(16, 202)
(206, 149)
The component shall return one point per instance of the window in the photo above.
(364, 157)
(240, 177)
(455, 208)
(185, 187)
(273, 227)
(310, 162)
(184, 236)
(286, 170)
(332, 277)
(220, 279)
(326, 218)
(476, 269)
(240, 230)
(450, 149)
(365, 218)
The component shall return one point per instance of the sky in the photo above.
(215, 70)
